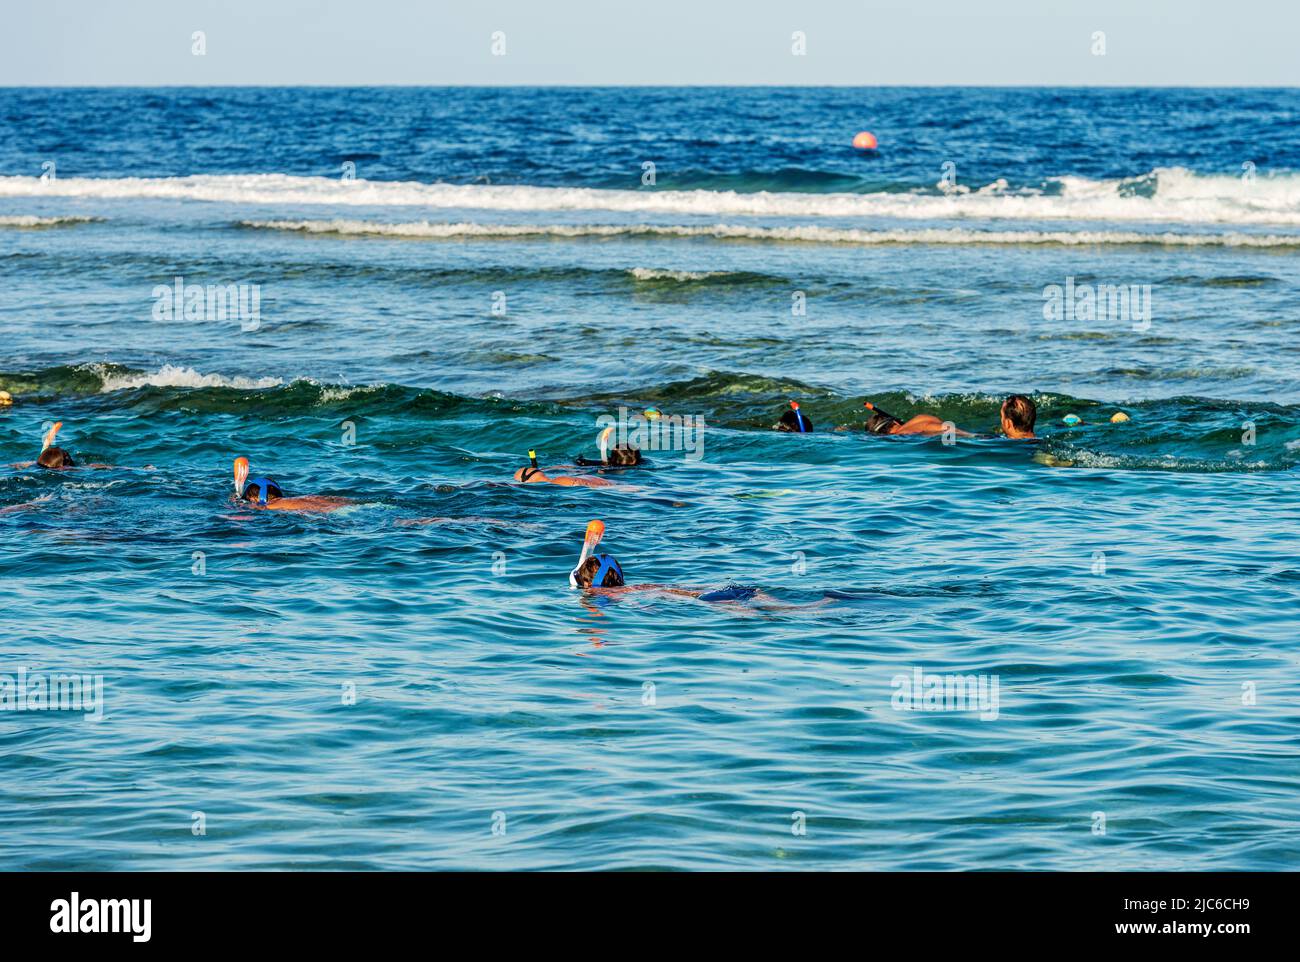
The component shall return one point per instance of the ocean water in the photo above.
(447, 278)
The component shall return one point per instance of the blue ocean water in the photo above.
(448, 278)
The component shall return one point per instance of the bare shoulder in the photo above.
(308, 502)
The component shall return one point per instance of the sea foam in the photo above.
(808, 233)
(172, 376)
(1165, 195)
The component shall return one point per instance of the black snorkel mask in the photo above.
(532, 468)
(886, 421)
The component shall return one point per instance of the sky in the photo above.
(658, 42)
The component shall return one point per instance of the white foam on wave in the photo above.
(1176, 195)
(810, 234)
(1130, 462)
(663, 274)
(335, 392)
(170, 375)
(31, 220)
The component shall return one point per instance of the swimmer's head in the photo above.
(261, 491)
(53, 457)
(881, 423)
(623, 455)
(1018, 416)
(532, 472)
(794, 420)
(258, 490)
(602, 570)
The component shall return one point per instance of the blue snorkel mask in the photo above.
(264, 486)
(607, 564)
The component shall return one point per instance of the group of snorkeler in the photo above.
(603, 574)
(595, 572)
(1018, 414)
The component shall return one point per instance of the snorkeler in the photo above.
(619, 456)
(532, 474)
(794, 420)
(51, 456)
(602, 574)
(265, 492)
(55, 458)
(1018, 415)
(882, 422)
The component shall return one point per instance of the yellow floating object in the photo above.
(1119, 417)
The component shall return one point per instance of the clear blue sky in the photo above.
(345, 42)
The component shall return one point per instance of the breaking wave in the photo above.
(1164, 195)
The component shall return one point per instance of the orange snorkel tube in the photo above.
(595, 531)
(48, 440)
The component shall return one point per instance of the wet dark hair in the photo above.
(623, 455)
(1020, 411)
(55, 458)
(587, 570)
(881, 423)
(788, 422)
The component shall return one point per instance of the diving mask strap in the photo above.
(607, 562)
(532, 468)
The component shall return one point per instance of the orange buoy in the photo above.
(865, 141)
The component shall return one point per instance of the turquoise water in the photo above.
(1131, 587)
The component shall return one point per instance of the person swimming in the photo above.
(265, 492)
(51, 456)
(1018, 415)
(55, 458)
(532, 474)
(882, 422)
(794, 420)
(620, 456)
(602, 574)
(602, 571)
(260, 490)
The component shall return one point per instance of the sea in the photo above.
(968, 652)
